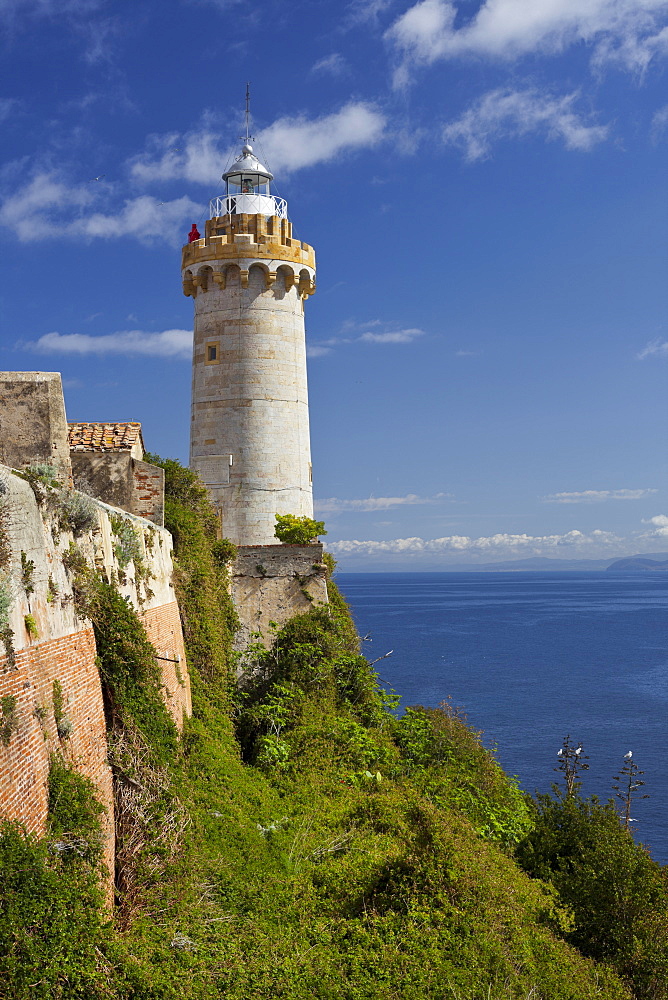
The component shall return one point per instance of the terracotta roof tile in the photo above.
(105, 437)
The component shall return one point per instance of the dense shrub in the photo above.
(618, 895)
(294, 530)
(208, 616)
(130, 674)
(51, 917)
(446, 759)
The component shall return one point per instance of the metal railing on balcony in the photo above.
(250, 204)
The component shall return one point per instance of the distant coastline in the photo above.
(651, 562)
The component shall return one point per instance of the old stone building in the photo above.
(107, 461)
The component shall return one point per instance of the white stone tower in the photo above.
(249, 278)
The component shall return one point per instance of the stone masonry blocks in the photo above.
(272, 583)
(33, 425)
(250, 439)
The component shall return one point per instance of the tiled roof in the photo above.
(105, 437)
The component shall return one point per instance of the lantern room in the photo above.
(247, 189)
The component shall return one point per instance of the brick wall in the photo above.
(148, 491)
(163, 627)
(65, 648)
(24, 762)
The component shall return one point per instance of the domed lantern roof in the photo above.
(248, 163)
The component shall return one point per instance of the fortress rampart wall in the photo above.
(52, 701)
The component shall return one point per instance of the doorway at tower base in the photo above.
(273, 583)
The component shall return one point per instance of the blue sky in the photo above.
(484, 184)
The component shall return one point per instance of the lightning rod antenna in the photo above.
(248, 135)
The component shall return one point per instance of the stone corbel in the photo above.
(188, 286)
(270, 279)
(306, 287)
(290, 280)
(243, 271)
(219, 278)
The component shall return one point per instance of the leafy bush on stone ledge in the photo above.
(224, 551)
(293, 530)
(42, 479)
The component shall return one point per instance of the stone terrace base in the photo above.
(272, 583)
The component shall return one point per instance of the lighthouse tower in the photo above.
(249, 279)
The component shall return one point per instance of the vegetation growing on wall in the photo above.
(299, 841)
(294, 530)
(78, 512)
(9, 718)
(5, 515)
(208, 616)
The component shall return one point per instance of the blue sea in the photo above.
(533, 657)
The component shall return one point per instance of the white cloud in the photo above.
(659, 527)
(656, 348)
(630, 32)
(406, 336)
(334, 65)
(289, 144)
(296, 142)
(595, 496)
(48, 207)
(144, 218)
(360, 11)
(196, 157)
(659, 123)
(334, 504)
(29, 212)
(571, 544)
(317, 350)
(373, 331)
(503, 113)
(167, 344)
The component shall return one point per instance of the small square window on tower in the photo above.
(212, 352)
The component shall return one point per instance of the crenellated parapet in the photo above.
(263, 238)
(263, 274)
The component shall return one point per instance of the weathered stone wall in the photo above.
(106, 475)
(271, 583)
(64, 648)
(33, 426)
(120, 480)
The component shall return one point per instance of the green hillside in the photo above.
(298, 841)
